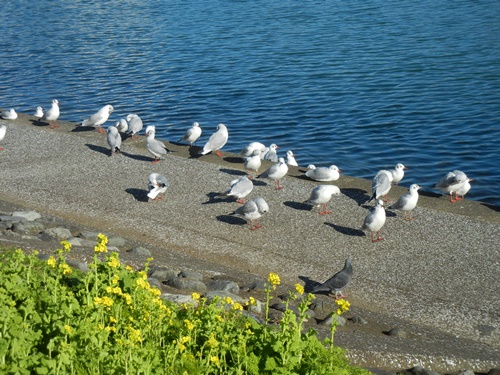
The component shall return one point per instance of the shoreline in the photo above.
(437, 272)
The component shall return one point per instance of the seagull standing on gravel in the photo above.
(375, 220)
(157, 184)
(323, 174)
(38, 113)
(216, 141)
(381, 184)
(9, 114)
(154, 146)
(99, 118)
(407, 202)
(240, 188)
(52, 114)
(192, 134)
(252, 211)
(272, 154)
(321, 195)
(290, 159)
(3, 131)
(135, 125)
(253, 163)
(398, 173)
(276, 172)
(249, 149)
(452, 182)
(337, 282)
(122, 125)
(114, 140)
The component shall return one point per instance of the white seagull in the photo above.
(154, 146)
(240, 188)
(38, 113)
(135, 125)
(122, 125)
(216, 141)
(192, 134)
(381, 184)
(52, 114)
(9, 114)
(398, 173)
(276, 172)
(249, 149)
(252, 211)
(407, 202)
(114, 140)
(253, 163)
(451, 183)
(321, 195)
(323, 174)
(464, 189)
(157, 184)
(375, 220)
(99, 118)
(290, 159)
(3, 131)
(272, 154)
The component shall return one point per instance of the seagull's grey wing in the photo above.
(162, 181)
(315, 194)
(114, 139)
(262, 205)
(242, 187)
(320, 173)
(270, 172)
(248, 208)
(380, 183)
(402, 201)
(216, 141)
(369, 219)
(446, 181)
(156, 146)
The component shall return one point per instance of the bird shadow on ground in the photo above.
(357, 195)
(194, 152)
(233, 172)
(429, 194)
(309, 284)
(140, 195)
(39, 123)
(231, 220)
(346, 230)
(81, 129)
(137, 157)
(214, 197)
(302, 177)
(234, 160)
(298, 205)
(102, 150)
(124, 136)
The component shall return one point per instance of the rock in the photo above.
(255, 317)
(154, 282)
(397, 332)
(113, 249)
(223, 294)
(494, 371)
(116, 241)
(358, 320)
(257, 308)
(191, 275)
(59, 233)
(12, 219)
(256, 285)
(323, 305)
(74, 241)
(140, 251)
(187, 284)
(466, 372)
(417, 370)
(44, 236)
(377, 371)
(328, 321)
(89, 236)
(162, 274)
(226, 285)
(82, 266)
(28, 215)
(29, 228)
(179, 299)
(86, 243)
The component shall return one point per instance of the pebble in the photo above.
(139, 250)
(59, 233)
(28, 215)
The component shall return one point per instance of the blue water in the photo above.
(361, 84)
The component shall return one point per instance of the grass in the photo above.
(109, 320)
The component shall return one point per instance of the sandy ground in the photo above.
(438, 272)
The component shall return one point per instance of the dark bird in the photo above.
(337, 282)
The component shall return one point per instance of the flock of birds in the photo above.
(455, 182)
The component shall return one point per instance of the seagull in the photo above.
(192, 134)
(99, 118)
(154, 146)
(157, 184)
(290, 159)
(407, 202)
(253, 163)
(240, 188)
(38, 113)
(321, 195)
(9, 114)
(464, 189)
(452, 182)
(276, 172)
(398, 173)
(272, 154)
(323, 174)
(135, 125)
(114, 140)
(337, 282)
(249, 149)
(3, 130)
(381, 184)
(122, 125)
(252, 211)
(375, 220)
(52, 114)
(216, 141)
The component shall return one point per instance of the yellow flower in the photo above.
(251, 301)
(299, 288)
(343, 306)
(115, 279)
(51, 261)
(181, 347)
(189, 324)
(68, 329)
(228, 300)
(110, 329)
(66, 246)
(215, 360)
(212, 341)
(101, 247)
(113, 262)
(135, 335)
(237, 306)
(195, 296)
(36, 252)
(112, 319)
(274, 279)
(185, 339)
(129, 269)
(65, 269)
(128, 298)
(105, 301)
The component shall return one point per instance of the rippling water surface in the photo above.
(361, 84)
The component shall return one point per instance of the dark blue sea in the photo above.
(361, 84)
